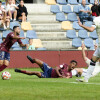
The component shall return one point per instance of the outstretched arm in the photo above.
(83, 52)
(57, 71)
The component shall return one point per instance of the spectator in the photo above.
(94, 9)
(30, 46)
(11, 9)
(22, 11)
(84, 12)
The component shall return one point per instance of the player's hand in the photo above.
(83, 45)
(79, 22)
(22, 37)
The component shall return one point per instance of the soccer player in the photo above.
(6, 45)
(96, 54)
(63, 71)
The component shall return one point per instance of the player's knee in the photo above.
(92, 63)
(1, 63)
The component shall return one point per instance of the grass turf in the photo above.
(24, 87)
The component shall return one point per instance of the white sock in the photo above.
(5, 27)
(89, 72)
(14, 19)
(11, 18)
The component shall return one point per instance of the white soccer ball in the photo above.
(6, 75)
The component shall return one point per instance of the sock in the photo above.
(20, 71)
(23, 71)
(10, 18)
(7, 26)
(2, 67)
(90, 71)
(14, 19)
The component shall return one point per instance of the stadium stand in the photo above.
(60, 17)
(76, 9)
(73, 2)
(88, 42)
(5, 33)
(71, 34)
(92, 48)
(88, 23)
(41, 48)
(22, 33)
(12, 24)
(50, 2)
(93, 35)
(72, 17)
(97, 41)
(25, 41)
(31, 34)
(80, 1)
(91, 1)
(76, 26)
(15, 45)
(62, 2)
(55, 9)
(76, 42)
(66, 9)
(82, 34)
(19, 48)
(66, 25)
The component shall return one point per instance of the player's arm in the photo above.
(91, 29)
(17, 37)
(57, 71)
(83, 52)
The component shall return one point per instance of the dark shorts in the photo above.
(46, 71)
(4, 55)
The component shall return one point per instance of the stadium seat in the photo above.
(66, 25)
(0, 40)
(71, 34)
(97, 41)
(22, 33)
(50, 2)
(83, 34)
(66, 9)
(60, 17)
(91, 1)
(76, 26)
(17, 48)
(55, 9)
(92, 48)
(12, 24)
(93, 34)
(76, 42)
(62, 2)
(5, 33)
(15, 45)
(88, 42)
(2, 29)
(80, 1)
(72, 17)
(73, 2)
(0, 36)
(76, 9)
(26, 26)
(88, 23)
(25, 41)
(37, 43)
(31, 34)
(41, 48)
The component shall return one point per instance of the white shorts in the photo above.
(97, 53)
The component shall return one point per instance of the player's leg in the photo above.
(15, 14)
(29, 72)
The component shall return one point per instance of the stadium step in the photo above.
(49, 27)
(42, 19)
(57, 45)
(52, 35)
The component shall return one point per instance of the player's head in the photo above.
(73, 64)
(16, 29)
(0, 3)
(83, 2)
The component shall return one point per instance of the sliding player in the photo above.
(6, 45)
(96, 55)
(63, 71)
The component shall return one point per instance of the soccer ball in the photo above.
(6, 75)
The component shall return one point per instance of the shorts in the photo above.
(46, 71)
(4, 55)
(97, 53)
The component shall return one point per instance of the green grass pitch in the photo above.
(24, 87)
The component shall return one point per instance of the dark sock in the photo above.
(30, 59)
(2, 67)
(20, 71)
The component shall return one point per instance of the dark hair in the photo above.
(15, 27)
(73, 61)
(0, 1)
(99, 9)
(21, 0)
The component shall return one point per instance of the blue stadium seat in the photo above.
(76, 42)
(88, 23)
(41, 48)
(25, 41)
(80, 1)
(0, 40)
(62, 2)
(76, 26)
(31, 34)
(97, 41)
(73, 2)
(19, 48)
(22, 33)
(66, 9)
(76, 8)
(88, 42)
(72, 17)
(71, 34)
(94, 34)
(92, 48)
(12, 24)
(60, 17)
(91, 1)
(2, 29)
(83, 34)
(55, 9)
(15, 45)
(0, 36)
(5, 33)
